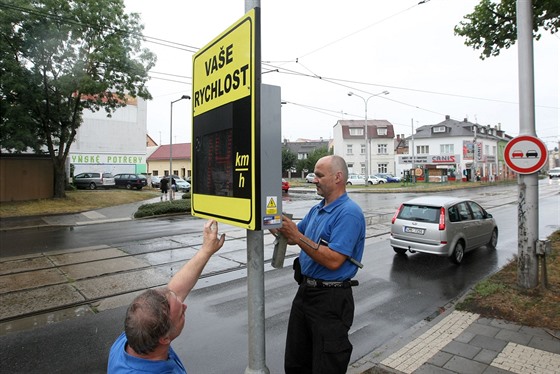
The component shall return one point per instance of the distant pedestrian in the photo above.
(163, 186)
(157, 316)
(173, 188)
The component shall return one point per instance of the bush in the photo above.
(164, 207)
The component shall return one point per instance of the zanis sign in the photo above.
(443, 159)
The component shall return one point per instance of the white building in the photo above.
(115, 144)
(350, 142)
(455, 149)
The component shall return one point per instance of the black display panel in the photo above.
(222, 151)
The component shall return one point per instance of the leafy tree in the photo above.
(312, 158)
(492, 25)
(288, 159)
(58, 58)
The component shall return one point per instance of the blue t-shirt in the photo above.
(342, 225)
(121, 362)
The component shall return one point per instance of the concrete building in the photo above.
(115, 144)
(371, 154)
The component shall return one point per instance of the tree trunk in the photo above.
(59, 177)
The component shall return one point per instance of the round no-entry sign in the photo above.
(525, 154)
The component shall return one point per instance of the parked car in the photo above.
(130, 181)
(356, 180)
(285, 185)
(155, 179)
(93, 180)
(182, 185)
(309, 178)
(443, 226)
(390, 178)
(554, 173)
(374, 179)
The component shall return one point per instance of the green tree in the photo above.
(288, 159)
(59, 58)
(492, 25)
(313, 157)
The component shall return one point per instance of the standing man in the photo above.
(331, 237)
(163, 185)
(157, 316)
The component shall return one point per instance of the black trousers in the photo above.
(317, 340)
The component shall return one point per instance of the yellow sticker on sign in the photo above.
(272, 205)
(222, 71)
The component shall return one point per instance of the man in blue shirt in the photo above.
(331, 237)
(157, 316)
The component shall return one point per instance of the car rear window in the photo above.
(419, 213)
(107, 175)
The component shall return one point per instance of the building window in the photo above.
(487, 149)
(363, 169)
(382, 149)
(446, 149)
(438, 129)
(494, 150)
(155, 173)
(381, 131)
(423, 150)
(363, 149)
(382, 168)
(348, 149)
(302, 156)
(356, 131)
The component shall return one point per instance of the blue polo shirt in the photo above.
(121, 362)
(343, 226)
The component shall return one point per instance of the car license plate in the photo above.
(414, 230)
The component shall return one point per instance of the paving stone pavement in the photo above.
(465, 343)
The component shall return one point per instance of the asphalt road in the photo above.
(395, 293)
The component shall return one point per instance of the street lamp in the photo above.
(171, 142)
(365, 124)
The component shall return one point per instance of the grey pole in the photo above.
(413, 170)
(255, 286)
(528, 208)
(365, 124)
(171, 142)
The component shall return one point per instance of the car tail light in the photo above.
(442, 219)
(396, 214)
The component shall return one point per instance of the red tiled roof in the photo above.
(181, 151)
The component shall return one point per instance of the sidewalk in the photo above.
(453, 342)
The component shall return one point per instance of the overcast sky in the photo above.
(324, 48)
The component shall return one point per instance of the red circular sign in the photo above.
(525, 154)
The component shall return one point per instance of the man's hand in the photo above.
(289, 230)
(211, 242)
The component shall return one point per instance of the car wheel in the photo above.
(381, 182)
(400, 251)
(128, 186)
(493, 239)
(92, 186)
(348, 183)
(370, 183)
(458, 253)
(139, 188)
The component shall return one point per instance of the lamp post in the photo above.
(365, 124)
(171, 143)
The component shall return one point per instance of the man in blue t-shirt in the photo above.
(157, 316)
(331, 237)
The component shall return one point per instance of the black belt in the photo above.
(318, 283)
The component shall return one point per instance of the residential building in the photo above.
(302, 148)
(158, 161)
(453, 150)
(368, 152)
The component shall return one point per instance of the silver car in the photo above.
(92, 180)
(443, 226)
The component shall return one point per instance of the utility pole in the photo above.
(528, 208)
